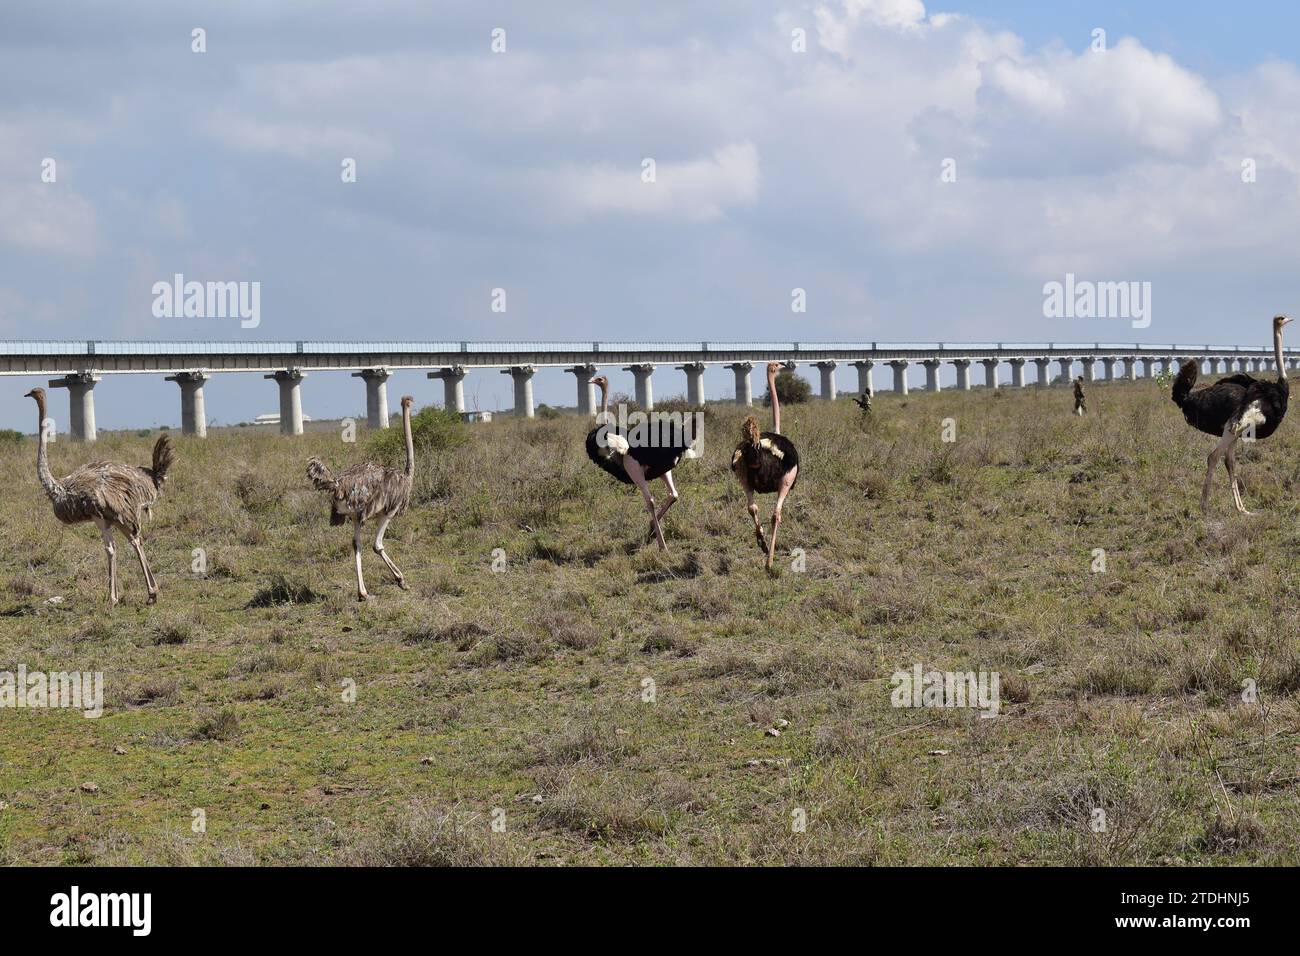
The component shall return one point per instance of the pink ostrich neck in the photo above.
(776, 404)
(1277, 353)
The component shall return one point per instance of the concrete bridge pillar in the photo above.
(744, 392)
(900, 375)
(1255, 365)
(645, 396)
(586, 391)
(376, 380)
(81, 403)
(1293, 362)
(1243, 364)
(828, 379)
(1109, 361)
(1067, 368)
(1044, 371)
(1148, 366)
(1017, 371)
(931, 374)
(290, 382)
(1166, 365)
(194, 417)
(990, 372)
(522, 376)
(1089, 364)
(864, 367)
(962, 366)
(1130, 367)
(453, 387)
(694, 383)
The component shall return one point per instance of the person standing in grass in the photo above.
(1080, 403)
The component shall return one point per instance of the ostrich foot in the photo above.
(362, 596)
(401, 583)
(153, 598)
(762, 539)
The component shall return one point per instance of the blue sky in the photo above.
(776, 169)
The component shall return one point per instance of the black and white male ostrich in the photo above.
(1230, 408)
(638, 464)
(113, 495)
(766, 463)
(369, 490)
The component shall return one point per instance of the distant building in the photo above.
(274, 419)
(471, 417)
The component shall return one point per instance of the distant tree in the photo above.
(790, 388)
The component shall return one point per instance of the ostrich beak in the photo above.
(592, 381)
(31, 394)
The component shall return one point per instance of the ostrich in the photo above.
(864, 400)
(637, 464)
(368, 490)
(1233, 407)
(764, 464)
(1080, 401)
(110, 494)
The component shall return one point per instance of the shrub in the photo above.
(432, 429)
(10, 437)
(790, 388)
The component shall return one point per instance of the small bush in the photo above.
(217, 725)
(790, 388)
(432, 429)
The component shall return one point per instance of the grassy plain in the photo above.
(518, 696)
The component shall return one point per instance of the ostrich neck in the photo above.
(410, 441)
(42, 459)
(776, 404)
(1277, 353)
(604, 404)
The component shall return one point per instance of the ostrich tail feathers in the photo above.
(163, 459)
(1184, 382)
(320, 475)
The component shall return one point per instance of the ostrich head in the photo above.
(1279, 321)
(407, 401)
(774, 369)
(601, 380)
(36, 393)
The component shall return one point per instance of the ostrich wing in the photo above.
(106, 490)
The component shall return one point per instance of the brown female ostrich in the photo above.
(637, 464)
(369, 490)
(1231, 408)
(105, 492)
(766, 463)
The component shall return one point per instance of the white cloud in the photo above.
(698, 189)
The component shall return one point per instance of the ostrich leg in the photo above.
(637, 474)
(672, 500)
(107, 533)
(356, 554)
(787, 482)
(1231, 461)
(758, 525)
(1221, 449)
(149, 581)
(379, 550)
